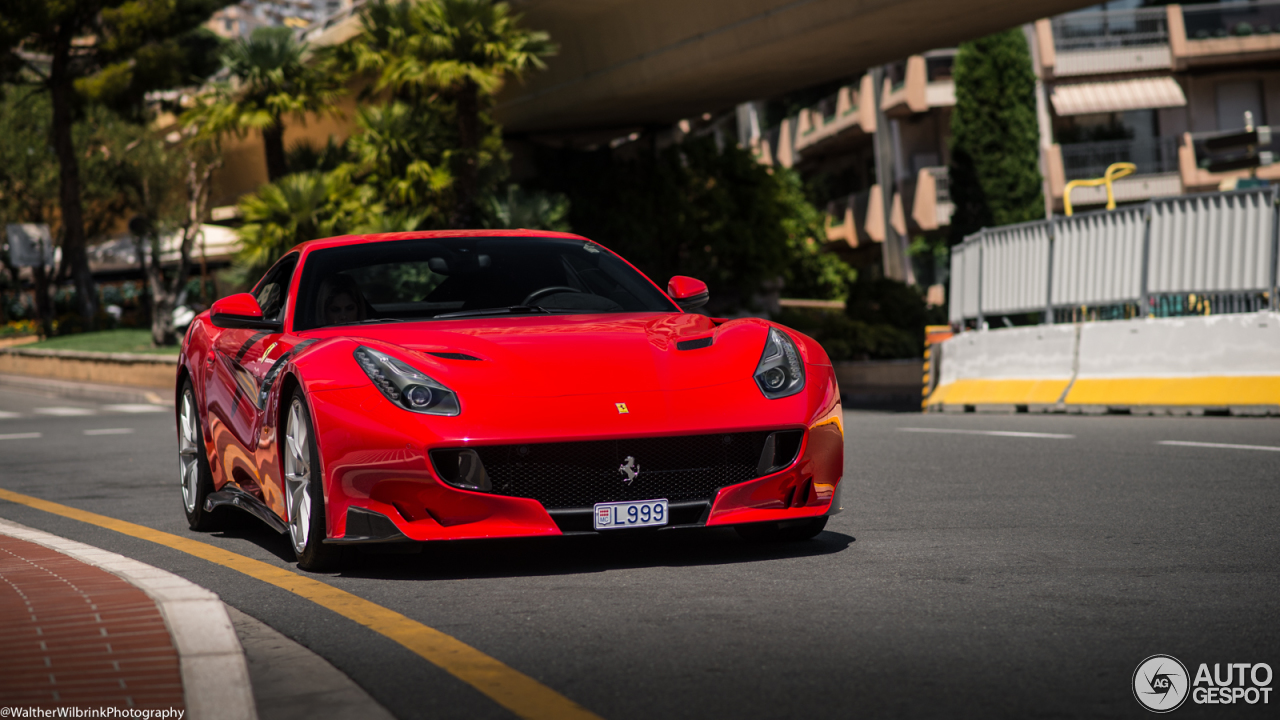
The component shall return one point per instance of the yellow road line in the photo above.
(510, 688)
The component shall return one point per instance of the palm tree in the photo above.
(305, 206)
(273, 79)
(519, 208)
(463, 50)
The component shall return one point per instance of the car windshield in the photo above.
(441, 278)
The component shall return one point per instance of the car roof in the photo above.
(342, 240)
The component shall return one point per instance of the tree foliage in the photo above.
(995, 174)
(113, 51)
(458, 51)
(403, 153)
(300, 207)
(126, 171)
(529, 210)
(694, 209)
(273, 79)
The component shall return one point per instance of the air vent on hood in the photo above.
(695, 344)
(453, 356)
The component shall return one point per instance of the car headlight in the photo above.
(411, 389)
(780, 372)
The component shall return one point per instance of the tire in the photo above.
(304, 491)
(784, 531)
(193, 465)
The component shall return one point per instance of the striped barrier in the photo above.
(1218, 362)
(933, 335)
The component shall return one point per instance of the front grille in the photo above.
(581, 474)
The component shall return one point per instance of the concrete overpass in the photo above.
(624, 63)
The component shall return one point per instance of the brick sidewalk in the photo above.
(74, 635)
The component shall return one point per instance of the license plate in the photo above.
(638, 513)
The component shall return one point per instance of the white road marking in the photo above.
(64, 411)
(109, 431)
(135, 408)
(1228, 446)
(5, 415)
(997, 433)
(20, 436)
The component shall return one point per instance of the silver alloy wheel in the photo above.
(297, 475)
(188, 452)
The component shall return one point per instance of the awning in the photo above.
(1117, 96)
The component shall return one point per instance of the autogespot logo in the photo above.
(1160, 683)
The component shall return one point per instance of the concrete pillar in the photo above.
(749, 122)
(891, 248)
(1043, 123)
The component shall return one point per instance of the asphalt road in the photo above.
(970, 575)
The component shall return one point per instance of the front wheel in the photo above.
(782, 531)
(303, 492)
(193, 464)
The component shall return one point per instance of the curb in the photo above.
(94, 356)
(215, 676)
(133, 369)
(85, 391)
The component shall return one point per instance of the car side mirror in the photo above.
(689, 293)
(241, 312)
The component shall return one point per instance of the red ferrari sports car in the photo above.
(480, 384)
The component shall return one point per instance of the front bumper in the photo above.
(375, 459)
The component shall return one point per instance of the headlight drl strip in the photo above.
(405, 386)
(780, 372)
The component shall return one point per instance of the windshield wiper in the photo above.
(367, 321)
(509, 310)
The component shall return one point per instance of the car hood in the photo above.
(551, 356)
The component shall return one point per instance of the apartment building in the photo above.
(1117, 82)
(1125, 83)
(239, 20)
(888, 128)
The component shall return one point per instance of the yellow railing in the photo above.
(1114, 172)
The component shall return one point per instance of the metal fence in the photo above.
(1107, 29)
(1091, 159)
(1234, 19)
(1191, 254)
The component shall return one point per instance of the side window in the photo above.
(273, 289)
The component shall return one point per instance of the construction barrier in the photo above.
(1014, 366)
(1227, 362)
(1218, 361)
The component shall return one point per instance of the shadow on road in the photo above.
(579, 554)
(237, 525)
(520, 557)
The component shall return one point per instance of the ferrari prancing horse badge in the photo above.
(622, 408)
(630, 470)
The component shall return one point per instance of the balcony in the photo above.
(932, 207)
(1107, 41)
(918, 83)
(1158, 171)
(904, 88)
(1145, 39)
(1225, 32)
(940, 87)
(1196, 179)
(850, 113)
(1081, 161)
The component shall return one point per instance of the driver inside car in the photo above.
(341, 301)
